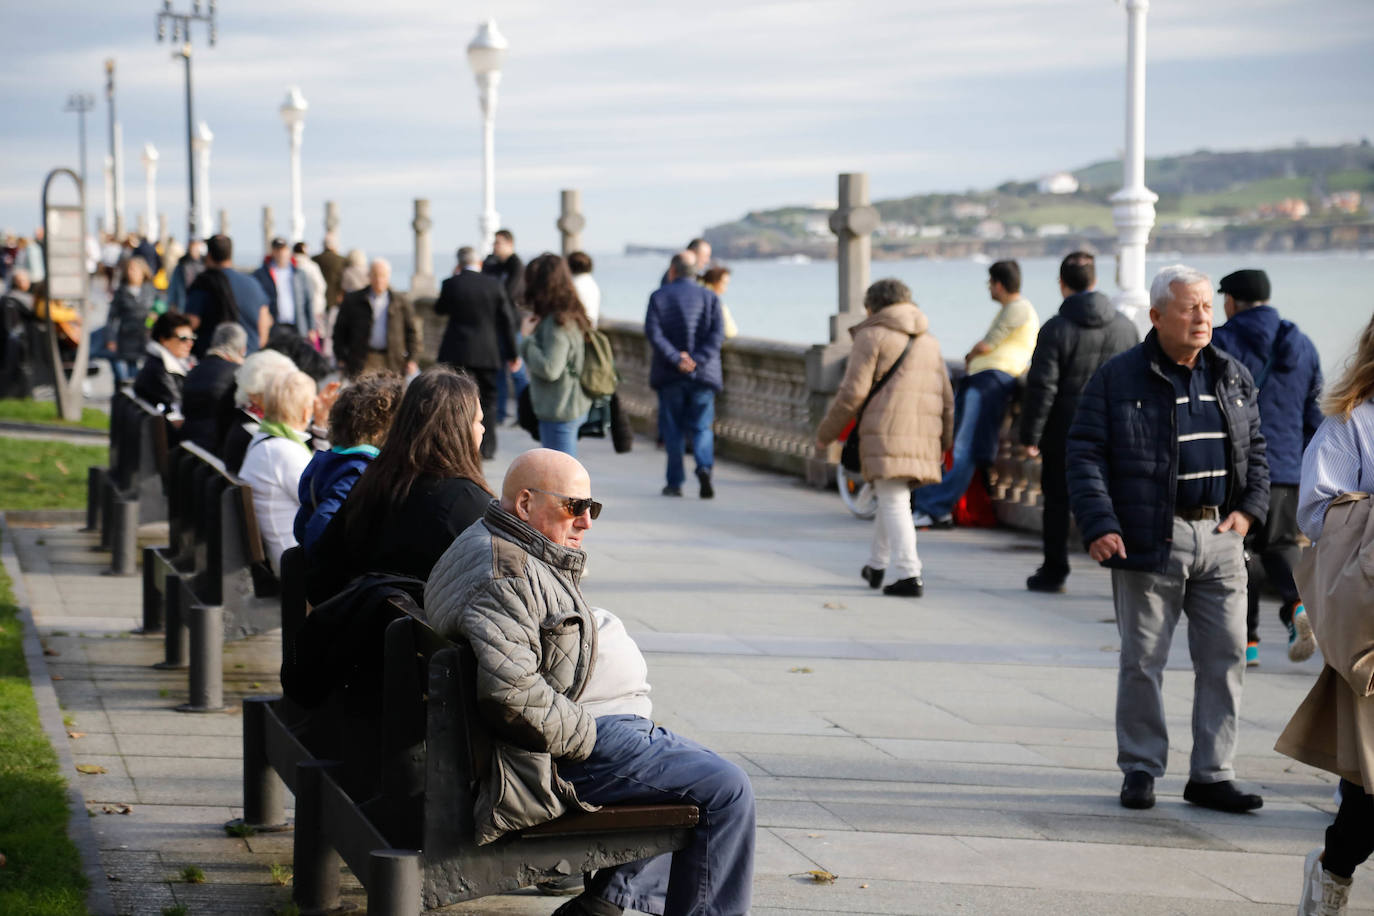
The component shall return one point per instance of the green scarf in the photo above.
(282, 431)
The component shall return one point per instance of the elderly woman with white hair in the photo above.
(238, 418)
(376, 328)
(277, 455)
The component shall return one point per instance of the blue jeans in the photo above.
(637, 762)
(511, 383)
(980, 403)
(687, 408)
(561, 435)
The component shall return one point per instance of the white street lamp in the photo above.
(150, 158)
(200, 146)
(1133, 207)
(293, 113)
(108, 223)
(485, 53)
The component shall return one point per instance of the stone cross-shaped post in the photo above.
(331, 216)
(571, 222)
(853, 223)
(422, 283)
(267, 227)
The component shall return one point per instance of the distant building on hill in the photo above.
(1058, 183)
(1343, 202)
(968, 209)
(1294, 208)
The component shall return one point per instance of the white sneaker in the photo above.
(925, 520)
(1323, 894)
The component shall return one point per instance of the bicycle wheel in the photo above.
(858, 495)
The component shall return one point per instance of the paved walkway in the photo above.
(952, 754)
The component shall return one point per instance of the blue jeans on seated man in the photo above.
(637, 762)
(980, 403)
(687, 409)
(561, 435)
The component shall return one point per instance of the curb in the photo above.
(18, 426)
(99, 901)
(27, 517)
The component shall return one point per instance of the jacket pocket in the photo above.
(561, 645)
(523, 790)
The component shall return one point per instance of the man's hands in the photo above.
(1032, 451)
(1237, 521)
(685, 364)
(324, 402)
(1106, 547)
(412, 368)
(515, 365)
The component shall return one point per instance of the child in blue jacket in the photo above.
(358, 425)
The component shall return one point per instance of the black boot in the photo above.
(906, 588)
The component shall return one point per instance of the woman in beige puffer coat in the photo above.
(905, 429)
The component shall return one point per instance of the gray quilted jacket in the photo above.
(513, 595)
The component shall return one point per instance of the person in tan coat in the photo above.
(903, 429)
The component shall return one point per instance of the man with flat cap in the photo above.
(1288, 374)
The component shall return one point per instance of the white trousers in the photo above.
(894, 534)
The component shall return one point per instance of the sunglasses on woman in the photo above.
(573, 505)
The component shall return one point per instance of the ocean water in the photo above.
(1330, 296)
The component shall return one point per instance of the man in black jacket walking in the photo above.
(480, 337)
(1167, 473)
(1086, 333)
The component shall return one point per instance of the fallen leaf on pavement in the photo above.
(798, 670)
(821, 876)
(58, 677)
(90, 769)
(834, 606)
(74, 735)
(51, 652)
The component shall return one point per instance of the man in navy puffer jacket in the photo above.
(1167, 473)
(1288, 373)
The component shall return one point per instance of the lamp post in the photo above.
(81, 102)
(293, 113)
(1133, 207)
(485, 53)
(116, 191)
(181, 35)
(200, 144)
(150, 158)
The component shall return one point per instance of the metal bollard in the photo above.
(124, 534)
(393, 883)
(316, 861)
(95, 493)
(264, 793)
(206, 624)
(152, 598)
(176, 638)
(107, 498)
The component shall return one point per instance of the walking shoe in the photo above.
(925, 520)
(906, 588)
(1252, 655)
(1323, 894)
(1301, 642)
(874, 577)
(585, 904)
(1221, 796)
(672, 491)
(1042, 581)
(704, 478)
(562, 886)
(1138, 790)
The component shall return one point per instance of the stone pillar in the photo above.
(223, 222)
(853, 223)
(331, 216)
(422, 282)
(1133, 207)
(267, 227)
(571, 222)
(164, 233)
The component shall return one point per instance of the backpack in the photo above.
(599, 377)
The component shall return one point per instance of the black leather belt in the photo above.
(1199, 514)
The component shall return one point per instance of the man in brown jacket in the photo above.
(897, 383)
(376, 328)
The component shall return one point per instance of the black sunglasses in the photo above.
(573, 504)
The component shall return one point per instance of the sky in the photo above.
(668, 117)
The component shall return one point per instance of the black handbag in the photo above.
(849, 455)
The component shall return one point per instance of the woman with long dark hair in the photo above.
(554, 352)
(424, 487)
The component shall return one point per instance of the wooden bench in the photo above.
(211, 583)
(411, 843)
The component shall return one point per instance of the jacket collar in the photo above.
(535, 544)
(1217, 364)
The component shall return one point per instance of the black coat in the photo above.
(511, 273)
(1123, 451)
(156, 385)
(407, 541)
(481, 323)
(127, 324)
(201, 397)
(1072, 345)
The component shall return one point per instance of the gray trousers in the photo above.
(1206, 580)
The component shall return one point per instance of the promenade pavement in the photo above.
(951, 754)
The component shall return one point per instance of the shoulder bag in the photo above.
(849, 455)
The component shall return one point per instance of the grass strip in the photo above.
(41, 874)
(25, 410)
(35, 474)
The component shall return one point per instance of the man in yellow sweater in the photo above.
(980, 399)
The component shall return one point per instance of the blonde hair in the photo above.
(1356, 383)
(289, 397)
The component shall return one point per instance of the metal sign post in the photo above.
(64, 260)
